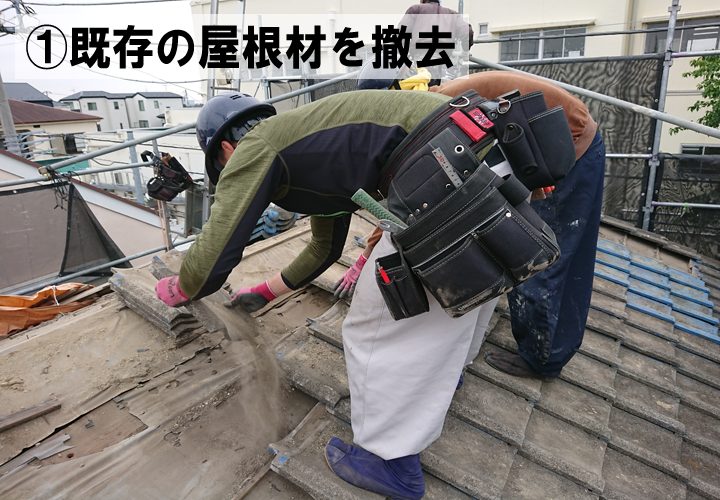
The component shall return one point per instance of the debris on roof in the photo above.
(635, 414)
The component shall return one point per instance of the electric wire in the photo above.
(100, 4)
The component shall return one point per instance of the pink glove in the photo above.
(346, 285)
(252, 298)
(168, 290)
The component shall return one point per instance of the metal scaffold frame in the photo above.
(51, 172)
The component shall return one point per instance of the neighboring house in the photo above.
(134, 228)
(121, 111)
(50, 131)
(25, 92)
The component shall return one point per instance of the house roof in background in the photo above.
(21, 91)
(107, 95)
(27, 112)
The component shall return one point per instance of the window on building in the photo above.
(156, 104)
(143, 124)
(524, 45)
(92, 106)
(685, 40)
(141, 105)
(482, 29)
(97, 126)
(119, 178)
(116, 105)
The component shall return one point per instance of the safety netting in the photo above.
(47, 232)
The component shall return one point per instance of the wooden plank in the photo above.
(31, 413)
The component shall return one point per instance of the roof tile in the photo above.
(701, 429)
(647, 442)
(575, 405)
(700, 463)
(492, 409)
(647, 370)
(565, 449)
(627, 478)
(591, 375)
(525, 476)
(480, 470)
(648, 402)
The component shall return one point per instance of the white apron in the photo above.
(403, 374)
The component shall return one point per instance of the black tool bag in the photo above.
(170, 178)
(472, 234)
(535, 140)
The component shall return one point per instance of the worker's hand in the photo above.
(168, 290)
(252, 299)
(542, 193)
(346, 285)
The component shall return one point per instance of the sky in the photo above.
(15, 64)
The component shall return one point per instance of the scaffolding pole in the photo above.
(68, 277)
(654, 162)
(67, 175)
(137, 179)
(684, 205)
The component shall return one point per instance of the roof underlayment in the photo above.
(636, 413)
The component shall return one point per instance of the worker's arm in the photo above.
(325, 247)
(345, 286)
(244, 190)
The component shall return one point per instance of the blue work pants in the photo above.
(549, 311)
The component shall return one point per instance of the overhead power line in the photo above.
(99, 4)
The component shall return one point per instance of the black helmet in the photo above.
(377, 78)
(220, 114)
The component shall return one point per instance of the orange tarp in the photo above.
(18, 312)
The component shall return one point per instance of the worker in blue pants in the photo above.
(548, 312)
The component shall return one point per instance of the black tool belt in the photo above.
(472, 234)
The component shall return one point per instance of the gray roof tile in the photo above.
(575, 405)
(626, 478)
(701, 429)
(590, 374)
(601, 347)
(492, 409)
(612, 290)
(606, 324)
(651, 325)
(526, 476)
(565, 449)
(701, 464)
(699, 395)
(650, 345)
(648, 370)
(314, 366)
(480, 470)
(648, 402)
(608, 304)
(647, 442)
(699, 368)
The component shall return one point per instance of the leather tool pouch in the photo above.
(402, 291)
(170, 178)
(472, 234)
(535, 140)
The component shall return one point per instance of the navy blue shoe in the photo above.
(400, 478)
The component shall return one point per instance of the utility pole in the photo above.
(7, 123)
